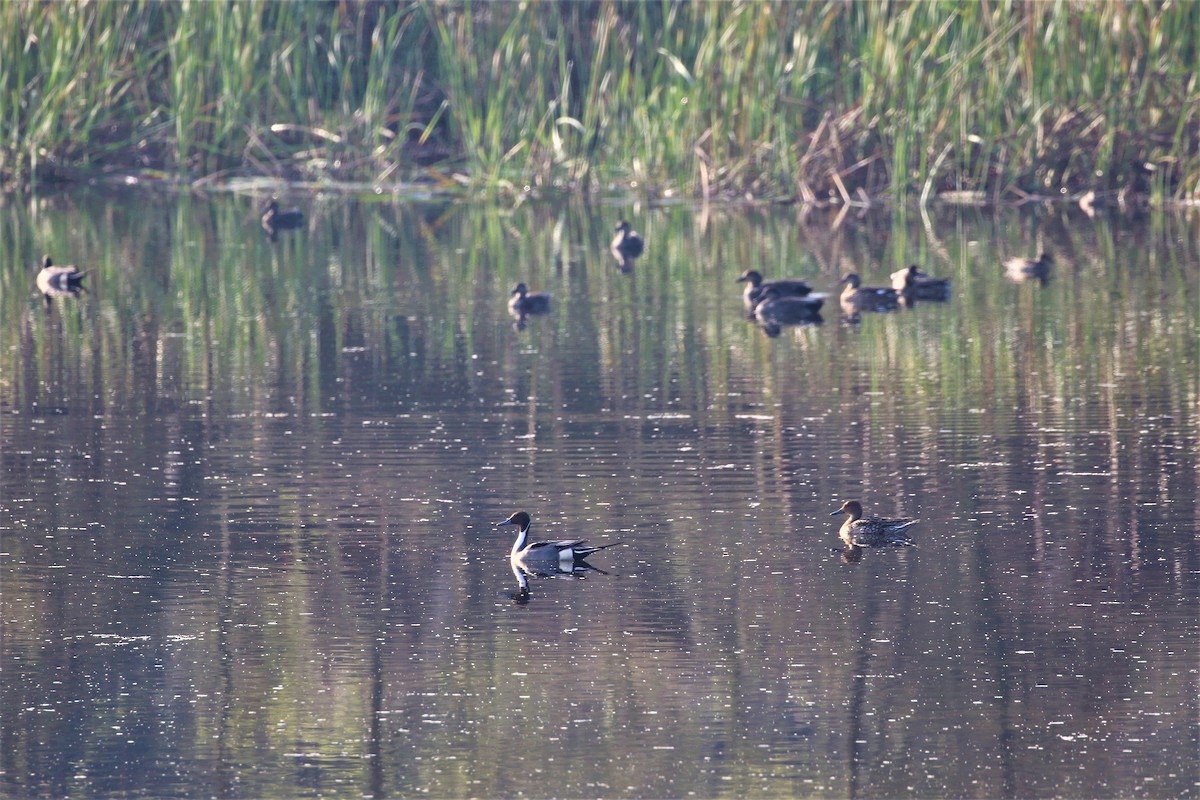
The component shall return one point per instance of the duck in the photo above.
(913, 284)
(856, 297)
(274, 219)
(562, 555)
(756, 286)
(523, 301)
(860, 531)
(57, 281)
(627, 245)
(775, 307)
(1024, 269)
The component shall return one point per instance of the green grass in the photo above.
(708, 99)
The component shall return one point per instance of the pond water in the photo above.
(249, 488)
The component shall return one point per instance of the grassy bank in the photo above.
(811, 101)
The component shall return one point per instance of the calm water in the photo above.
(248, 492)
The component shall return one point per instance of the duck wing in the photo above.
(560, 544)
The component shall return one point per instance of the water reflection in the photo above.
(249, 490)
(523, 573)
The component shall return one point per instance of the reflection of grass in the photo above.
(409, 309)
(705, 99)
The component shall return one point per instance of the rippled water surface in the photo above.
(250, 487)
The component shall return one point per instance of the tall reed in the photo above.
(701, 99)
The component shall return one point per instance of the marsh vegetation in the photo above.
(785, 101)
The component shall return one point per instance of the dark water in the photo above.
(249, 491)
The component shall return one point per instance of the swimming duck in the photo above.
(860, 531)
(1023, 269)
(274, 219)
(913, 284)
(756, 286)
(627, 245)
(856, 297)
(564, 554)
(524, 302)
(776, 307)
(55, 281)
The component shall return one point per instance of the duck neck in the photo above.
(522, 538)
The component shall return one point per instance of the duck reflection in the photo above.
(521, 596)
(522, 573)
(851, 553)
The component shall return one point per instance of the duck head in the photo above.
(519, 518)
(852, 508)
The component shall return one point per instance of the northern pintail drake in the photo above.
(55, 281)
(757, 286)
(523, 301)
(860, 531)
(1024, 269)
(563, 555)
(913, 284)
(856, 297)
(627, 245)
(776, 308)
(275, 219)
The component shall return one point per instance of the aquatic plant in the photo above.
(800, 101)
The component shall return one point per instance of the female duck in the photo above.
(860, 531)
(57, 281)
(1024, 269)
(564, 554)
(856, 297)
(913, 284)
(756, 286)
(524, 302)
(626, 245)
